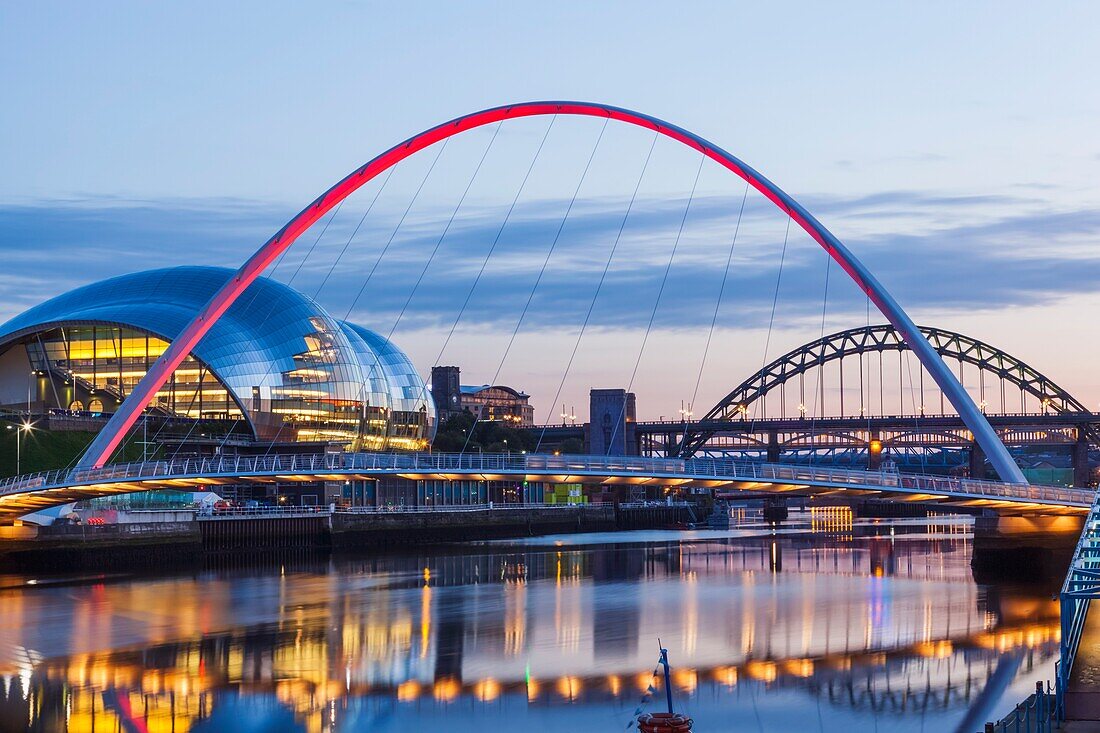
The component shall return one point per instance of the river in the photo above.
(833, 626)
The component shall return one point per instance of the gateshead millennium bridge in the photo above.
(689, 463)
(31, 493)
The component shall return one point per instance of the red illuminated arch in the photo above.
(109, 438)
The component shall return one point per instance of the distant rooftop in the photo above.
(474, 389)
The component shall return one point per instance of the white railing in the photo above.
(345, 465)
(428, 509)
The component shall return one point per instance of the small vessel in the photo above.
(669, 722)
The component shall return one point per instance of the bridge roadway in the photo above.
(25, 494)
(778, 433)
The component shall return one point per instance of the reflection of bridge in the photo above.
(546, 627)
(25, 494)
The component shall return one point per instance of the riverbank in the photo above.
(152, 537)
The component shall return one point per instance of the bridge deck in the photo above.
(25, 494)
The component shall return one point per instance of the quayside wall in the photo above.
(152, 538)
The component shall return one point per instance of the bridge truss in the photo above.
(1056, 417)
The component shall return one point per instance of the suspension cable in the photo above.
(657, 301)
(496, 240)
(396, 229)
(377, 261)
(721, 292)
(363, 218)
(820, 391)
(194, 395)
(377, 357)
(557, 236)
(481, 271)
(450, 221)
(771, 318)
(324, 281)
(603, 275)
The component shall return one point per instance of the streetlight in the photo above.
(983, 405)
(802, 410)
(20, 432)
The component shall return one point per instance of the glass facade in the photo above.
(95, 367)
(276, 358)
(412, 408)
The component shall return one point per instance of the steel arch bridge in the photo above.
(108, 440)
(857, 342)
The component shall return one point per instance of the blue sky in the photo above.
(953, 148)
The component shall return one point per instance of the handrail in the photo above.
(1081, 585)
(1036, 714)
(523, 463)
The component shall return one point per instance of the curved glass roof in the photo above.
(275, 348)
(408, 392)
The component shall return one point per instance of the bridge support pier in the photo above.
(775, 509)
(977, 461)
(1082, 476)
(874, 451)
(773, 446)
(1024, 548)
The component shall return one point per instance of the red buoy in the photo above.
(664, 723)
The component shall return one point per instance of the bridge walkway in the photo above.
(23, 494)
(1078, 669)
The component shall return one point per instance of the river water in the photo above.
(830, 631)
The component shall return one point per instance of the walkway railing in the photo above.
(1081, 586)
(527, 463)
(1037, 714)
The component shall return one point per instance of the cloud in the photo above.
(932, 250)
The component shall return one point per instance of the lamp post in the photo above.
(686, 412)
(20, 431)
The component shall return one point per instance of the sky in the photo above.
(951, 146)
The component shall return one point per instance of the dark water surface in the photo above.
(834, 632)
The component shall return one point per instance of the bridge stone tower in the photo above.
(611, 423)
(446, 392)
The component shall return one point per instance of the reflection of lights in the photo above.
(568, 687)
(487, 690)
(726, 676)
(763, 671)
(614, 685)
(644, 680)
(408, 691)
(935, 650)
(446, 689)
(425, 620)
(799, 668)
(685, 679)
(532, 688)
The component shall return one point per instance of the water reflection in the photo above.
(764, 632)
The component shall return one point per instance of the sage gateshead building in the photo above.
(276, 361)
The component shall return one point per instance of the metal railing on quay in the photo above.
(653, 504)
(1081, 586)
(1036, 714)
(524, 463)
(436, 508)
(262, 511)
